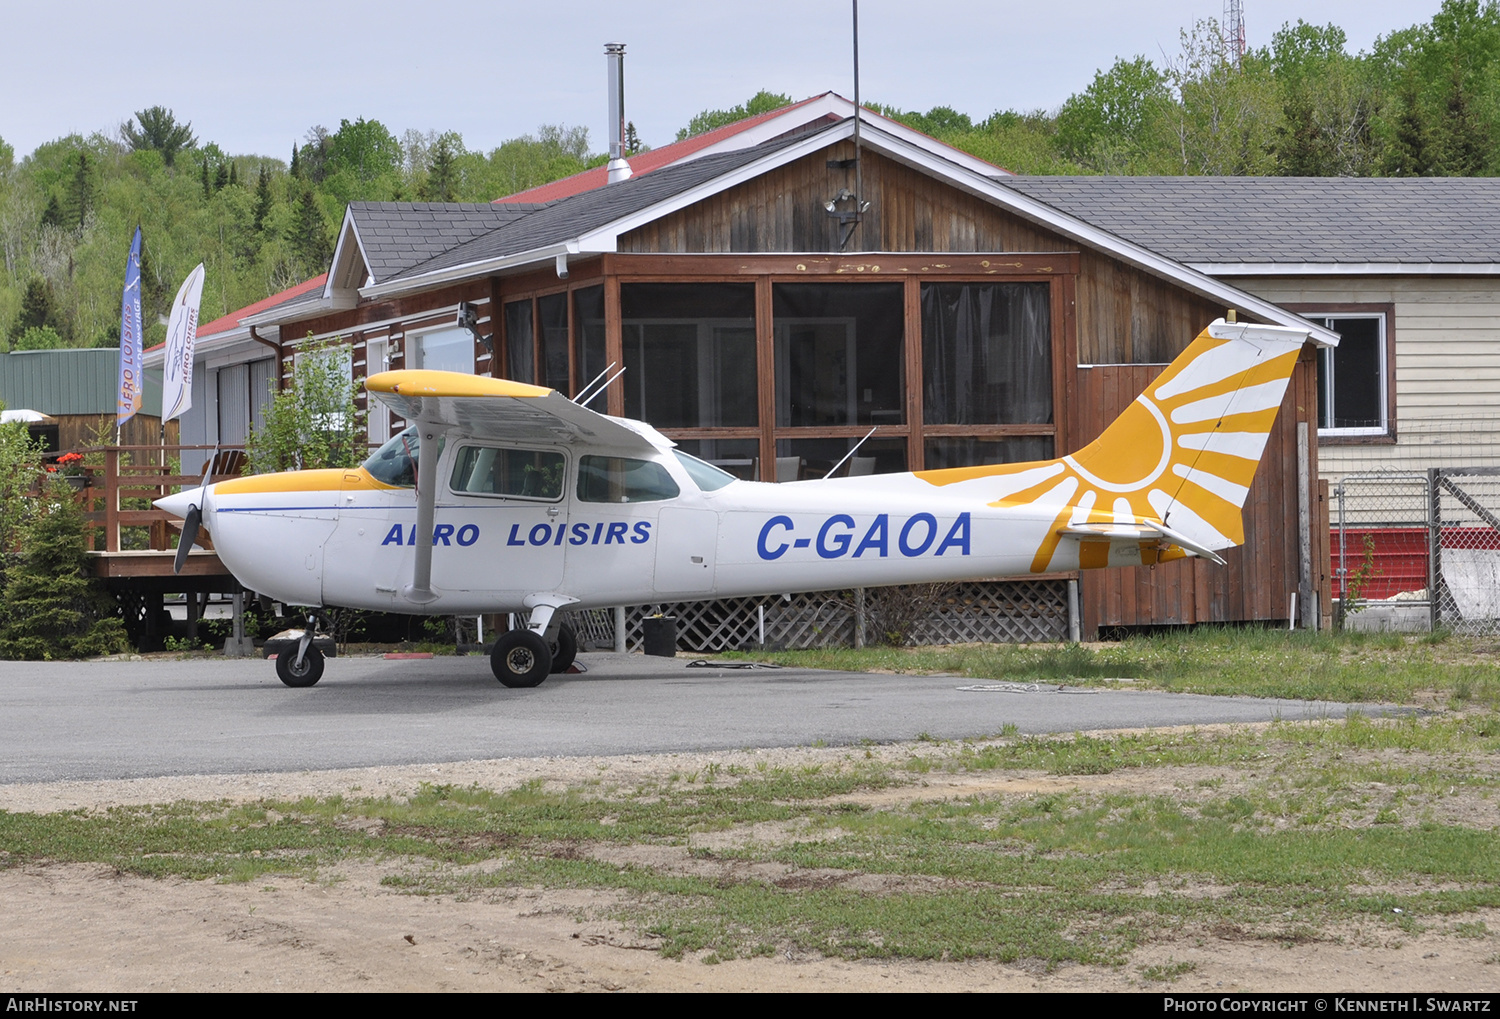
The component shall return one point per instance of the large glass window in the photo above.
(588, 344)
(520, 343)
(838, 354)
(690, 354)
(552, 310)
(806, 459)
(449, 350)
(967, 452)
(1352, 397)
(986, 354)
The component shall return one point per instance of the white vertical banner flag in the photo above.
(182, 334)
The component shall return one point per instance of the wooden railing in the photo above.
(143, 473)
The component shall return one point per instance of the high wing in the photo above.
(504, 410)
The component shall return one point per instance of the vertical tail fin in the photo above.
(1185, 451)
(1173, 469)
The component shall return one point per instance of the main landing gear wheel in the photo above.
(306, 674)
(521, 658)
(564, 649)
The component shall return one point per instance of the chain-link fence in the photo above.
(1417, 550)
(1465, 548)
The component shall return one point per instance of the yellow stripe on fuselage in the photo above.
(426, 382)
(333, 480)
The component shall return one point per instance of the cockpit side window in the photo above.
(515, 473)
(621, 479)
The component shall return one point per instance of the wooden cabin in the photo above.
(768, 319)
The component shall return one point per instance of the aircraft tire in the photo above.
(521, 658)
(564, 649)
(308, 675)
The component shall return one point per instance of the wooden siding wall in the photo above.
(75, 431)
(1126, 316)
(1264, 572)
(782, 211)
(1446, 374)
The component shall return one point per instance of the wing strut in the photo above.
(420, 590)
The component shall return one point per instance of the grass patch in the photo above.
(1306, 829)
(1249, 661)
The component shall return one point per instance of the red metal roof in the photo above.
(224, 323)
(645, 162)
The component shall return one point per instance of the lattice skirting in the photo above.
(993, 611)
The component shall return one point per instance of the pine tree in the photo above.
(52, 215)
(208, 180)
(262, 200)
(221, 177)
(442, 175)
(234, 174)
(37, 311)
(309, 236)
(1463, 135)
(296, 167)
(52, 607)
(81, 192)
(1410, 153)
(1301, 150)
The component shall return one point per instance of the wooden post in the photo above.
(112, 499)
(1305, 598)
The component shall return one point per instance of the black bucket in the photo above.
(661, 636)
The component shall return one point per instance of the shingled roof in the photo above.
(1223, 221)
(562, 220)
(395, 236)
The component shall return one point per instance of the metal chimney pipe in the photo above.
(619, 169)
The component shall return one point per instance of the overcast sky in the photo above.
(253, 77)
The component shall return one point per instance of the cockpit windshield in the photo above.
(395, 463)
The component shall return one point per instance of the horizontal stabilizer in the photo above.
(1137, 531)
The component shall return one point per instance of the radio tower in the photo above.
(1234, 30)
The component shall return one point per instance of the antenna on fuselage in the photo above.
(591, 385)
(592, 393)
(851, 452)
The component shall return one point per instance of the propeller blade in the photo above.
(190, 524)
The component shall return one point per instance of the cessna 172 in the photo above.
(503, 496)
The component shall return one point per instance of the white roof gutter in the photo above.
(1347, 268)
(467, 270)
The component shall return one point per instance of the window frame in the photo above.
(1384, 434)
(416, 350)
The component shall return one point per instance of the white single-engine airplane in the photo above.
(503, 497)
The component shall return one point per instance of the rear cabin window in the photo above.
(620, 479)
(515, 473)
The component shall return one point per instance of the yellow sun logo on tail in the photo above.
(1181, 456)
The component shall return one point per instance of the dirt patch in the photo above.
(87, 928)
(75, 927)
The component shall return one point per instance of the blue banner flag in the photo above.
(132, 390)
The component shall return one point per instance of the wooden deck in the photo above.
(153, 563)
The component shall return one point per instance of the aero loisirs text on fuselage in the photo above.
(502, 496)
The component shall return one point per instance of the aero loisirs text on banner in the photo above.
(182, 333)
(132, 388)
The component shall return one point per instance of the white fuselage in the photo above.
(351, 543)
